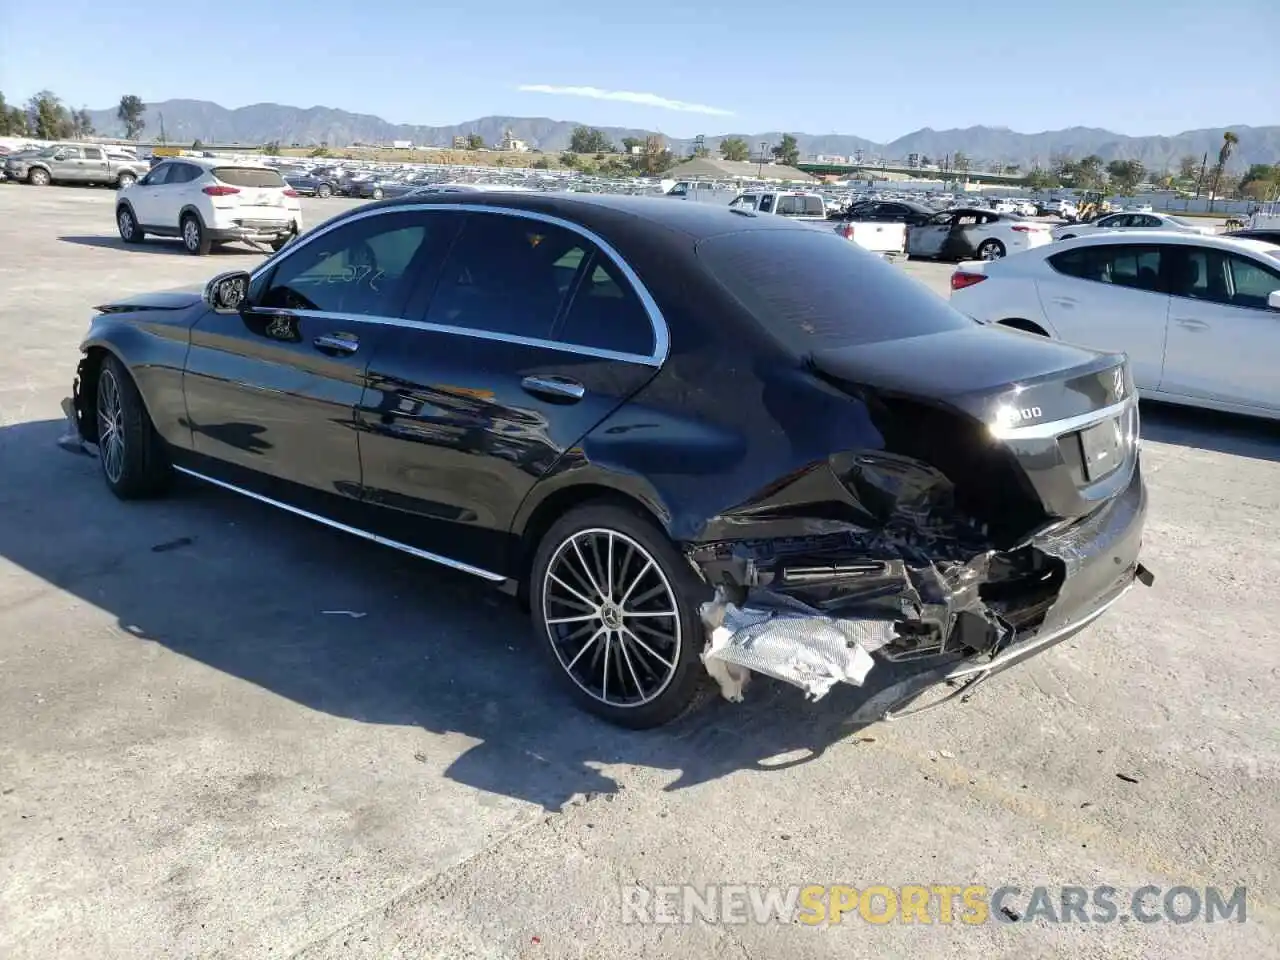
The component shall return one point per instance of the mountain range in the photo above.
(190, 120)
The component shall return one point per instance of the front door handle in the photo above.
(559, 389)
(344, 343)
(1191, 323)
(1064, 301)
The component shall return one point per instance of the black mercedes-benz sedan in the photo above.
(698, 443)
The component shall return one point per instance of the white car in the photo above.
(1199, 316)
(207, 201)
(1131, 221)
(968, 232)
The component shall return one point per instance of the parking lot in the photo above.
(231, 733)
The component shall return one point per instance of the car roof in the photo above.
(611, 212)
(209, 163)
(1221, 241)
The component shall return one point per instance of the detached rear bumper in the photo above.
(249, 229)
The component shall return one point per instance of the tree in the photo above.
(1088, 173)
(47, 118)
(540, 164)
(700, 152)
(475, 141)
(1261, 182)
(568, 159)
(271, 149)
(656, 158)
(1229, 141)
(1189, 167)
(1126, 175)
(589, 140)
(960, 162)
(1040, 179)
(630, 143)
(81, 123)
(788, 151)
(197, 144)
(735, 149)
(13, 120)
(130, 114)
(319, 151)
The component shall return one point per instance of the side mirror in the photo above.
(1273, 300)
(228, 292)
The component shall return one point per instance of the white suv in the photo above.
(207, 201)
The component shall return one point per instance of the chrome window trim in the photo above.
(1055, 428)
(661, 333)
(345, 528)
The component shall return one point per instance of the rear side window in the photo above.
(506, 274)
(248, 177)
(812, 290)
(1126, 265)
(790, 206)
(606, 314)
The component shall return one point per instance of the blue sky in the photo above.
(704, 66)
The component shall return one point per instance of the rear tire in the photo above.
(194, 236)
(607, 573)
(135, 463)
(324, 191)
(991, 250)
(125, 180)
(377, 193)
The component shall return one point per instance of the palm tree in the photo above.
(1229, 141)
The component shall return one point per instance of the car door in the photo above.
(272, 392)
(929, 239)
(95, 165)
(144, 195)
(1111, 297)
(1224, 341)
(67, 165)
(532, 335)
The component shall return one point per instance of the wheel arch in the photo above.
(1028, 326)
(95, 350)
(190, 208)
(549, 501)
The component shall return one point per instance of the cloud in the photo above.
(626, 96)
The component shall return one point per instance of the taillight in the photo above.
(1029, 228)
(221, 190)
(960, 279)
(290, 192)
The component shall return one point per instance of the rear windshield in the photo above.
(793, 206)
(813, 290)
(248, 177)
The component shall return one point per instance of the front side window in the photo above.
(1251, 283)
(69, 153)
(505, 274)
(365, 268)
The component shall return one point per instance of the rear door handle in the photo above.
(559, 389)
(1064, 301)
(1191, 323)
(344, 343)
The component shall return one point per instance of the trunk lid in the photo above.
(1067, 415)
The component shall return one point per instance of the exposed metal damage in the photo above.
(868, 557)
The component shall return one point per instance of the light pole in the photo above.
(764, 145)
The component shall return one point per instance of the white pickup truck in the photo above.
(889, 240)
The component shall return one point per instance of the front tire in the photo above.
(324, 191)
(39, 177)
(377, 193)
(194, 236)
(616, 609)
(135, 463)
(130, 232)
